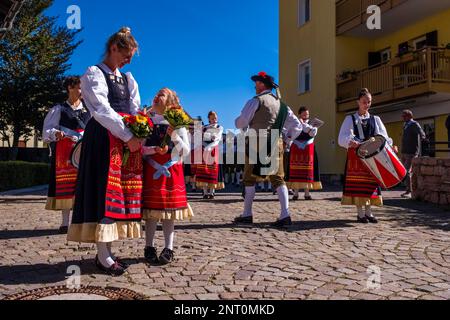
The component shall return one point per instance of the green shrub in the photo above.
(19, 174)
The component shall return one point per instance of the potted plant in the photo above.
(347, 75)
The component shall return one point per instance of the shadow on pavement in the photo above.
(21, 234)
(410, 213)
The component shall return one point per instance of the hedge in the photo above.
(19, 174)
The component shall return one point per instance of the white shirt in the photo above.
(292, 126)
(213, 133)
(307, 128)
(346, 134)
(51, 122)
(179, 137)
(94, 90)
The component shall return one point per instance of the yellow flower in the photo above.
(141, 119)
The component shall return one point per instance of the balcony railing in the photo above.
(352, 13)
(413, 74)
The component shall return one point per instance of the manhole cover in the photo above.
(83, 293)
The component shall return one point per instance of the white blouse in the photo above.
(179, 137)
(346, 135)
(94, 90)
(51, 122)
(312, 131)
(292, 126)
(214, 134)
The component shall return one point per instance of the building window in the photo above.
(385, 55)
(304, 77)
(420, 43)
(304, 12)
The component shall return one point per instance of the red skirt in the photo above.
(165, 193)
(207, 173)
(360, 187)
(302, 172)
(64, 177)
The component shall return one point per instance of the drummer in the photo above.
(360, 187)
(62, 129)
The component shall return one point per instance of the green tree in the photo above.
(34, 57)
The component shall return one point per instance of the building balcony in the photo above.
(351, 15)
(415, 74)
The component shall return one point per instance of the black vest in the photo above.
(157, 136)
(368, 126)
(73, 119)
(118, 92)
(304, 137)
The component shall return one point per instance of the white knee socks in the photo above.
(369, 212)
(168, 227)
(169, 233)
(150, 230)
(65, 215)
(109, 246)
(249, 197)
(360, 211)
(306, 192)
(283, 196)
(103, 254)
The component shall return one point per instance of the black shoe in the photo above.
(308, 198)
(212, 196)
(246, 220)
(283, 222)
(122, 263)
(294, 198)
(115, 270)
(205, 197)
(151, 255)
(166, 256)
(372, 219)
(63, 230)
(363, 220)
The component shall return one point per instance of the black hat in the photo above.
(266, 79)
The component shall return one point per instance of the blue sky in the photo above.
(205, 50)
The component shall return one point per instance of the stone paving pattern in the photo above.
(324, 255)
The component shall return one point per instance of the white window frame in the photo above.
(301, 88)
(301, 12)
(420, 39)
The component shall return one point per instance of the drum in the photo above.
(76, 154)
(381, 160)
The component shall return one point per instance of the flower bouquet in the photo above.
(141, 126)
(177, 119)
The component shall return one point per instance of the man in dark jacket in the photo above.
(413, 134)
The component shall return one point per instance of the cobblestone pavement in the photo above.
(324, 255)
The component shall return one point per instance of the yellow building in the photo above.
(328, 53)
